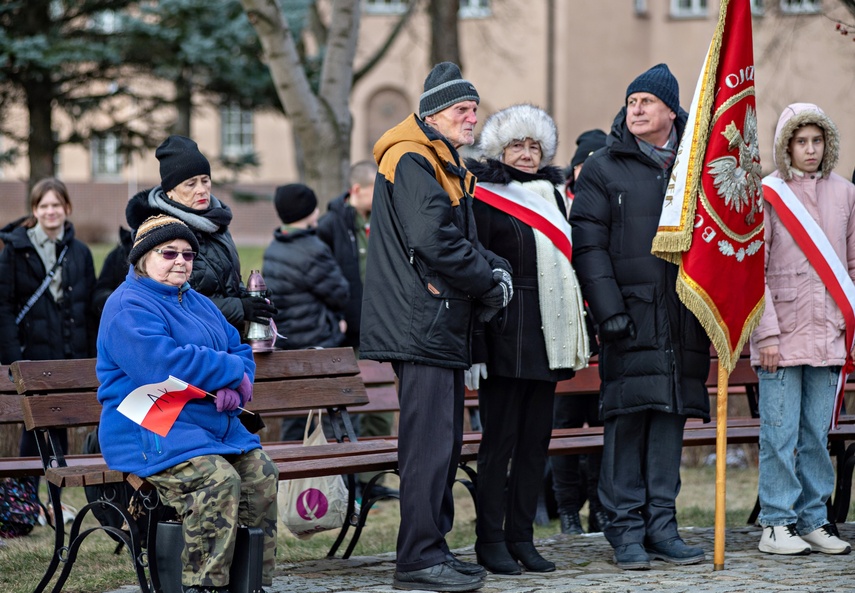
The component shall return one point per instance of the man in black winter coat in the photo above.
(654, 354)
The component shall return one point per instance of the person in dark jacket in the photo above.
(185, 193)
(113, 271)
(538, 340)
(345, 228)
(426, 279)
(654, 354)
(303, 279)
(576, 478)
(59, 323)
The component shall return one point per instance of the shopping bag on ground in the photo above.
(310, 505)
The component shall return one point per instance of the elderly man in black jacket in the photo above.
(654, 354)
(427, 276)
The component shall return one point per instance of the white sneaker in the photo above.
(825, 540)
(783, 539)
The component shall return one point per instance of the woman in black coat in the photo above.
(58, 323)
(185, 193)
(538, 340)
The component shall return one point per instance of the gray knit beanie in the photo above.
(660, 82)
(444, 87)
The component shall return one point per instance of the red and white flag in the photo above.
(712, 216)
(156, 406)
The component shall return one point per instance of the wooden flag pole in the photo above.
(720, 466)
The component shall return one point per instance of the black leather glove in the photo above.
(485, 314)
(617, 327)
(500, 295)
(257, 310)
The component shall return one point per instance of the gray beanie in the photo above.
(660, 82)
(444, 87)
(180, 160)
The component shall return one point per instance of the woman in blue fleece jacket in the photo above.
(209, 467)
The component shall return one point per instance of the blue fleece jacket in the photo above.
(150, 331)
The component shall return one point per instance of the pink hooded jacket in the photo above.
(801, 317)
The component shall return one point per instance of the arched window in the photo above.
(386, 109)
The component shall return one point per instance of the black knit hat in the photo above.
(157, 230)
(294, 202)
(587, 143)
(180, 159)
(444, 87)
(660, 82)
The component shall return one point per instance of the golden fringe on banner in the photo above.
(697, 301)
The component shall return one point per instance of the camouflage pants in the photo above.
(213, 495)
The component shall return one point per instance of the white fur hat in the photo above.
(518, 122)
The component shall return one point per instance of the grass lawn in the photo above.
(22, 560)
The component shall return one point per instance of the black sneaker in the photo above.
(440, 577)
(571, 524)
(632, 557)
(675, 551)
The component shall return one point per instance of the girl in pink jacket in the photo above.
(799, 346)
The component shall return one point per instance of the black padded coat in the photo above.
(307, 287)
(50, 330)
(614, 217)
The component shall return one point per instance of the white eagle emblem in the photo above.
(739, 182)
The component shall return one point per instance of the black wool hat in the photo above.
(294, 202)
(587, 143)
(180, 159)
(444, 87)
(660, 82)
(157, 230)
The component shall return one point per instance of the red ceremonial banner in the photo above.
(719, 239)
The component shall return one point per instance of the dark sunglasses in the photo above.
(170, 254)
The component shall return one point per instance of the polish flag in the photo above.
(156, 406)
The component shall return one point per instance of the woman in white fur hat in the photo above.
(538, 340)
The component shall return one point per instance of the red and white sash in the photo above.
(530, 208)
(821, 255)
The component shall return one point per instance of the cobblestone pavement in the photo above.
(585, 565)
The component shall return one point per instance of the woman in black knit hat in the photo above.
(185, 193)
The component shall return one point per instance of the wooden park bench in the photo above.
(62, 394)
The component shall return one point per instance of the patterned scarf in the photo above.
(208, 220)
(662, 155)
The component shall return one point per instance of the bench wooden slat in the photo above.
(10, 408)
(298, 394)
(305, 363)
(55, 375)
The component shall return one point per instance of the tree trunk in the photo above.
(41, 143)
(445, 42)
(322, 122)
(184, 105)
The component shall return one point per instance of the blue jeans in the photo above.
(796, 474)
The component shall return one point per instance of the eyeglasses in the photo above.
(170, 254)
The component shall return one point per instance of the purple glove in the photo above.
(245, 390)
(227, 399)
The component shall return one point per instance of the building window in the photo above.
(688, 8)
(641, 7)
(385, 6)
(757, 8)
(106, 159)
(801, 6)
(474, 9)
(386, 109)
(236, 131)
